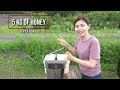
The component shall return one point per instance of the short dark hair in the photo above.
(84, 18)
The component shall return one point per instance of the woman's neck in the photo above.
(87, 36)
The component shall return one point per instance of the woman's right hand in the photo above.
(62, 42)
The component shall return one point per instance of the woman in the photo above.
(87, 48)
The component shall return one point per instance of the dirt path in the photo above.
(11, 37)
(7, 37)
(18, 54)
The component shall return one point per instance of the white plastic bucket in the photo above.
(59, 57)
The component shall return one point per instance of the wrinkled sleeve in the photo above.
(94, 51)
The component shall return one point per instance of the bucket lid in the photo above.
(55, 61)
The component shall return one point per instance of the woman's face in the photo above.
(81, 27)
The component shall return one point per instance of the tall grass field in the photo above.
(38, 44)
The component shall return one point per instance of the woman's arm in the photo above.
(91, 63)
(64, 43)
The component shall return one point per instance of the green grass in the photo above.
(6, 30)
(16, 68)
(37, 45)
(109, 67)
(109, 75)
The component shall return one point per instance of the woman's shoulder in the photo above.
(94, 39)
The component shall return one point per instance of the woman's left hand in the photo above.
(69, 56)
